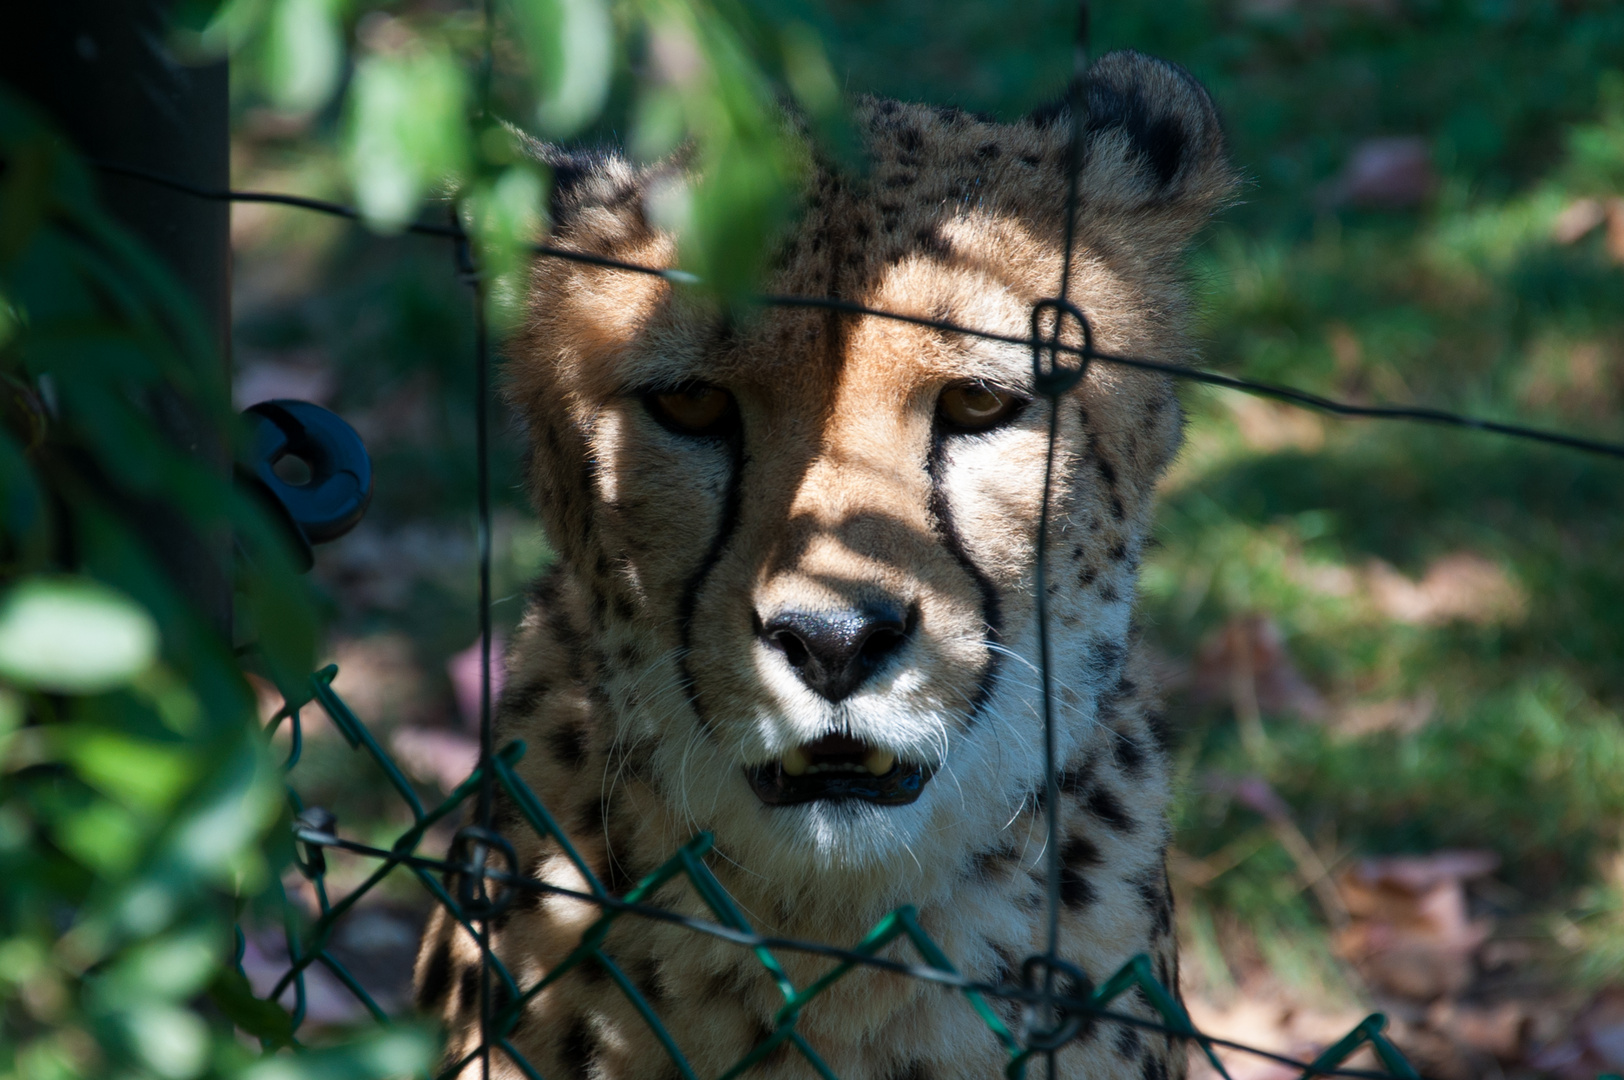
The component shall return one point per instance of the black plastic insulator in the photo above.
(334, 498)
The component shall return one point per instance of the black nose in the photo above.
(835, 652)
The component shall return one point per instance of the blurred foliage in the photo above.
(138, 804)
(708, 78)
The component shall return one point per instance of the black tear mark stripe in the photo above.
(731, 502)
(992, 615)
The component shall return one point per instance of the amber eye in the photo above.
(695, 409)
(977, 406)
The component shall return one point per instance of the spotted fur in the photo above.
(639, 680)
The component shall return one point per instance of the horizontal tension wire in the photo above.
(738, 937)
(1290, 395)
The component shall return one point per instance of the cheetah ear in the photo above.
(1152, 143)
(594, 191)
(578, 315)
(590, 182)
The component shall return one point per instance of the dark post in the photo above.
(102, 70)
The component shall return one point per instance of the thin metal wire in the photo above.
(482, 452)
(1289, 394)
(487, 749)
(1054, 387)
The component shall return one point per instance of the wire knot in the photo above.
(316, 828)
(1053, 1019)
(1050, 376)
(469, 871)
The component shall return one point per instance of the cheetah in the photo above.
(793, 601)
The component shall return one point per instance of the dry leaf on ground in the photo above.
(1410, 933)
(1248, 653)
(1388, 173)
(1459, 586)
(1594, 1042)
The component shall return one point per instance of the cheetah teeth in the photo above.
(878, 762)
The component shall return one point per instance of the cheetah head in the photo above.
(806, 537)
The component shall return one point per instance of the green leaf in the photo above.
(137, 772)
(746, 164)
(408, 131)
(275, 603)
(812, 79)
(23, 517)
(229, 26)
(570, 46)
(395, 1052)
(806, 68)
(243, 797)
(174, 966)
(103, 836)
(505, 218)
(174, 1042)
(304, 52)
(73, 636)
(11, 319)
(262, 1019)
(12, 712)
(25, 187)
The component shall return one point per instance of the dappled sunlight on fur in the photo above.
(647, 678)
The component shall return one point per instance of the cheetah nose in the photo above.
(835, 652)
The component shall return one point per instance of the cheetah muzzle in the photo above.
(793, 603)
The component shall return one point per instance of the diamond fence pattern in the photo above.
(478, 856)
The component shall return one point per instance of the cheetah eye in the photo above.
(694, 409)
(974, 406)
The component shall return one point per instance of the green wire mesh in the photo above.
(315, 830)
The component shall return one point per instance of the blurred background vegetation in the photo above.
(1396, 654)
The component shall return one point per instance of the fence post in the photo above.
(102, 70)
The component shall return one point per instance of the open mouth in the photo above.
(837, 767)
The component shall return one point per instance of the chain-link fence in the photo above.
(477, 878)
